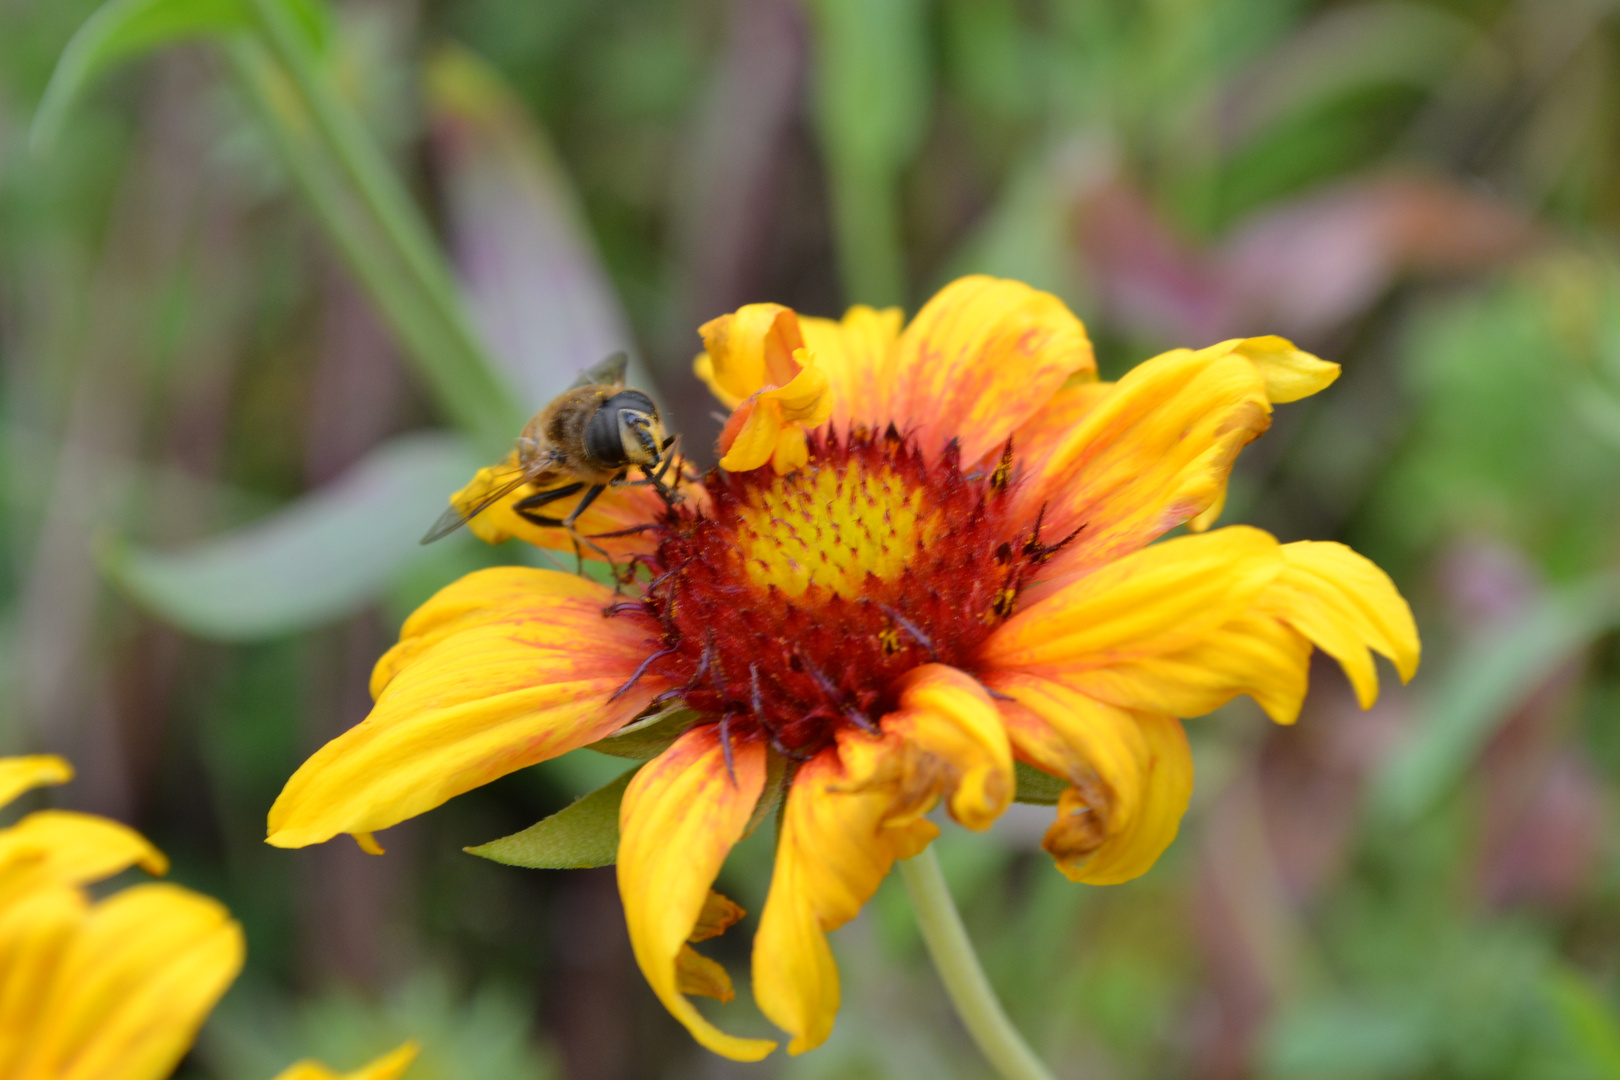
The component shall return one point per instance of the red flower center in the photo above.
(792, 606)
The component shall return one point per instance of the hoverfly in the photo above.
(586, 440)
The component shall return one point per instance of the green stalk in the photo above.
(959, 970)
(866, 221)
(449, 350)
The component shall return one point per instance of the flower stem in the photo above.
(959, 970)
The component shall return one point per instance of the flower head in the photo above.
(947, 567)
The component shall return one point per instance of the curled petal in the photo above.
(388, 1067)
(67, 848)
(20, 774)
(681, 814)
(131, 986)
(857, 354)
(770, 425)
(979, 360)
(954, 743)
(1130, 776)
(838, 839)
(749, 349)
(1154, 453)
(503, 669)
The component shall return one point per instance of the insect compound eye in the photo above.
(616, 434)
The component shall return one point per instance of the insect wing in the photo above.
(455, 517)
(609, 372)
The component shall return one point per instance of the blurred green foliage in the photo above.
(1424, 191)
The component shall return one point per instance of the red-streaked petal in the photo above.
(857, 354)
(680, 816)
(1149, 456)
(981, 358)
(505, 668)
(838, 839)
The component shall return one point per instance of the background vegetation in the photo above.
(217, 457)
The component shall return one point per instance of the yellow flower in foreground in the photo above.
(107, 990)
(958, 574)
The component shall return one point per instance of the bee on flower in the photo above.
(928, 554)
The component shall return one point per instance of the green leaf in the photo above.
(646, 739)
(1037, 786)
(1485, 686)
(579, 836)
(123, 30)
(325, 556)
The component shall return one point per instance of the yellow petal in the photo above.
(1290, 373)
(979, 360)
(681, 814)
(34, 930)
(20, 774)
(1039, 437)
(955, 743)
(505, 668)
(751, 348)
(857, 354)
(836, 844)
(1345, 605)
(698, 976)
(1149, 456)
(720, 913)
(805, 399)
(1160, 599)
(388, 1067)
(132, 986)
(1167, 783)
(67, 848)
(703, 368)
(755, 443)
(792, 450)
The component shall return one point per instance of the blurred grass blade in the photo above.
(871, 109)
(124, 30)
(531, 277)
(1589, 1018)
(1483, 687)
(579, 836)
(326, 555)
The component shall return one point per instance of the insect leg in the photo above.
(550, 495)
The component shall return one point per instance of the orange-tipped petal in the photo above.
(20, 774)
(131, 986)
(979, 360)
(681, 814)
(839, 837)
(505, 668)
(1154, 453)
(755, 438)
(749, 349)
(388, 1067)
(858, 355)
